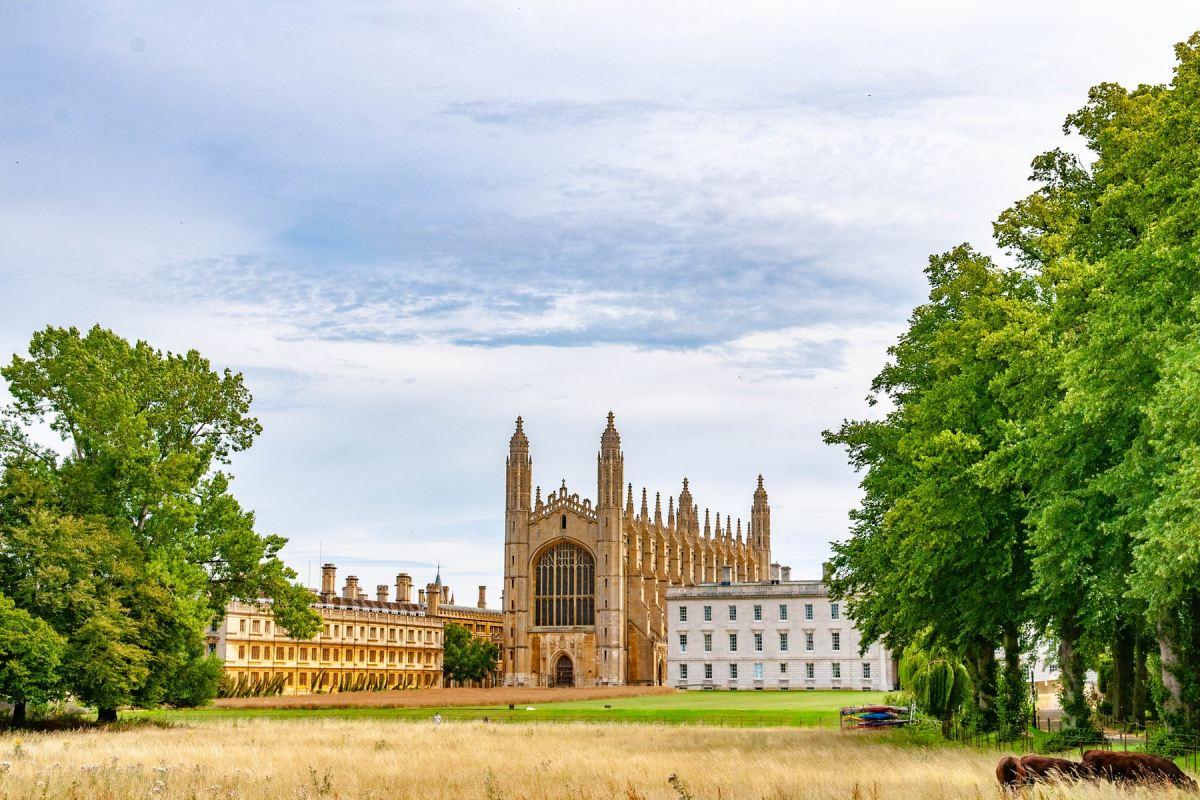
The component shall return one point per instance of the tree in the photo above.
(938, 682)
(30, 655)
(127, 540)
(938, 549)
(196, 682)
(1114, 246)
(106, 661)
(1057, 403)
(1166, 570)
(466, 657)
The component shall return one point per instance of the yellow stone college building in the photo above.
(585, 582)
(364, 642)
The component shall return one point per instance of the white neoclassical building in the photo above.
(773, 634)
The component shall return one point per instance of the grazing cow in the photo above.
(1010, 773)
(1132, 768)
(1045, 768)
(1013, 772)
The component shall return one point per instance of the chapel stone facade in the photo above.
(585, 582)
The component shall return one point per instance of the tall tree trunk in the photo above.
(1012, 650)
(1076, 713)
(981, 663)
(18, 713)
(106, 715)
(1012, 692)
(1120, 689)
(1137, 714)
(1169, 660)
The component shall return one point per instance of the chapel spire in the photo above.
(760, 528)
(518, 471)
(686, 519)
(610, 467)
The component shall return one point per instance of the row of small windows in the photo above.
(335, 630)
(809, 642)
(834, 612)
(364, 655)
(809, 671)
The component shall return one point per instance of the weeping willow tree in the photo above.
(940, 684)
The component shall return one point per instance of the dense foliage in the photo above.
(30, 655)
(937, 681)
(467, 658)
(1035, 476)
(125, 541)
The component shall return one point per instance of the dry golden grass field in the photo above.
(330, 758)
(433, 698)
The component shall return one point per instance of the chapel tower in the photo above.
(515, 596)
(610, 555)
(760, 530)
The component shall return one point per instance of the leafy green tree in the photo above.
(938, 549)
(938, 682)
(1114, 247)
(466, 657)
(106, 663)
(195, 682)
(1056, 402)
(1166, 571)
(127, 539)
(30, 656)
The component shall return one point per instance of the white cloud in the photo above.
(723, 209)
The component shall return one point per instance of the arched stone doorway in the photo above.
(564, 671)
(662, 672)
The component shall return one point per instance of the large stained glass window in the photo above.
(566, 586)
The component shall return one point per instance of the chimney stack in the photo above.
(726, 574)
(420, 597)
(482, 597)
(775, 571)
(328, 582)
(785, 574)
(381, 592)
(445, 594)
(403, 588)
(432, 598)
(350, 590)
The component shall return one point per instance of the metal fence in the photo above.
(1117, 735)
(1025, 743)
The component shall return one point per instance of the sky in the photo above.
(407, 223)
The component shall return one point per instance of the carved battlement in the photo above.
(562, 500)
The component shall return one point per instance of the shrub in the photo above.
(195, 682)
(1162, 742)
(1070, 739)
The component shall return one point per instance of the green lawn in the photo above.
(739, 709)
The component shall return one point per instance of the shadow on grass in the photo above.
(78, 722)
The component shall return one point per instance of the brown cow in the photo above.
(1009, 772)
(1136, 768)
(1013, 772)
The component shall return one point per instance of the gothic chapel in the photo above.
(585, 585)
